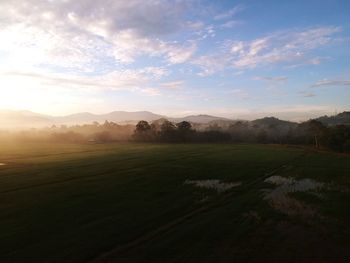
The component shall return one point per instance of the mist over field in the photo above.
(174, 131)
(326, 132)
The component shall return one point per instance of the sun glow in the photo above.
(29, 92)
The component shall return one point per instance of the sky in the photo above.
(236, 59)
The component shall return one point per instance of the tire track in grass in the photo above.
(29, 187)
(119, 249)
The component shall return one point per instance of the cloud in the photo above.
(82, 36)
(210, 64)
(273, 79)
(154, 72)
(197, 25)
(283, 46)
(178, 54)
(206, 32)
(230, 24)
(127, 79)
(306, 94)
(150, 91)
(127, 46)
(230, 13)
(172, 84)
(288, 46)
(327, 82)
(309, 61)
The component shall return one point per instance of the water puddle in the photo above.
(279, 199)
(213, 184)
(290, 185)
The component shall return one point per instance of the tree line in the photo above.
(266, 130)
(311, 132)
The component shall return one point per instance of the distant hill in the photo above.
(28, 119)
(272, 121)
(198, 118)
(115, 116)
(23, 119)
(341, 118)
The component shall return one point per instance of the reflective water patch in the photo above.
(279, 199)
(289, 185)
(213, 184)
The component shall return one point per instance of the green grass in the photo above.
(72, 203)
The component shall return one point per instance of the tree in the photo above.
(311, 132)
(239, 131)
(167, 131)
(142, 131)
(142, 126)
(317, 130)
(184, 131)
(184, 126)
(339, 138)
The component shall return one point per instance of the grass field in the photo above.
(141, 203)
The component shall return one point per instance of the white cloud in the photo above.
(127, 79)
(277, 79)
(283, 46)
(127, 46)
(81, 36)
(206, 32)
(327, 82)
(196, 25)
(150, 91)
(230, 24)
(210, 64)
(230, 13)
(307, 94)
(309, 61)
(172, 84)
(237, 47)
(178, 54)
(287, 46)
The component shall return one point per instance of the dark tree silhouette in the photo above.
(338, 138)
(168, 131)
(184, 131)
(317, 131)
(142, 126)
(142, 131)
(184, 126)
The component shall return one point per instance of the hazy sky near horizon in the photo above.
(238, 59)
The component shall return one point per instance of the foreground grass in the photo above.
(129, 203)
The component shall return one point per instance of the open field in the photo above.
(173, 203)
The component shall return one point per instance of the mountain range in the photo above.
(28, 119)
(341, 118)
